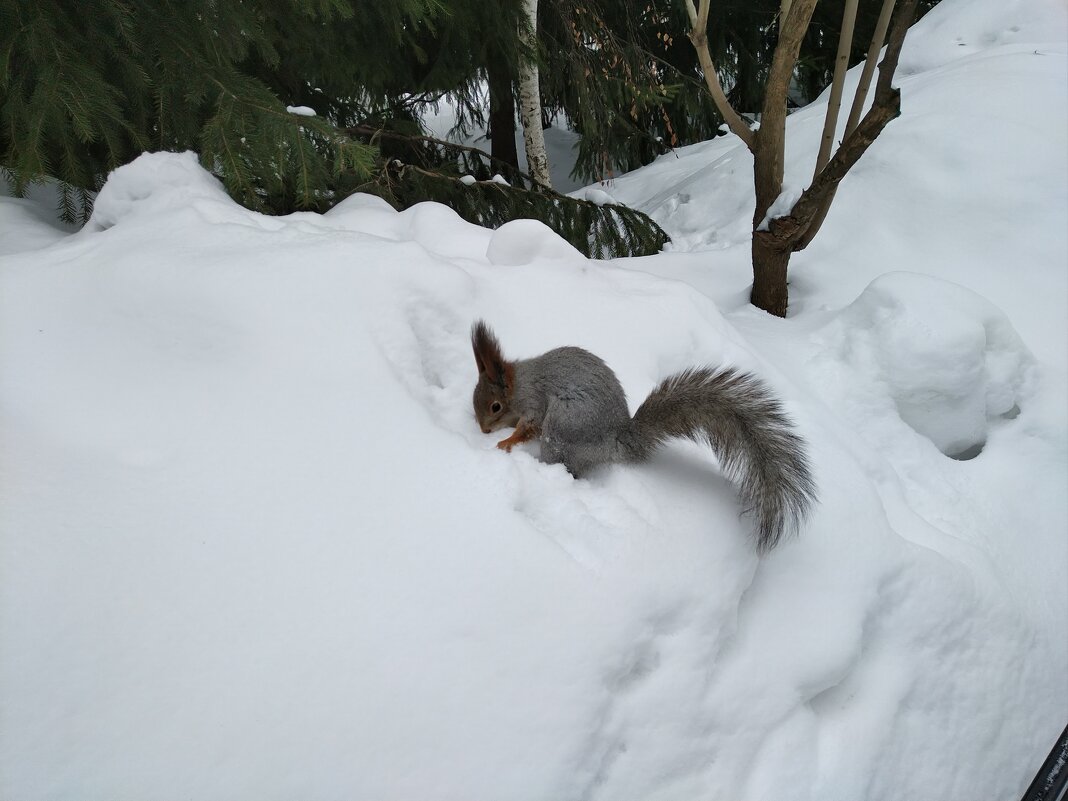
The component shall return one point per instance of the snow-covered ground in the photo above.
(253, 545)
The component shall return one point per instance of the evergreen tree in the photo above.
(87, 85)
(609, 72)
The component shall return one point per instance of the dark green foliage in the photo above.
(612, 69)
(388, 60)
(421, 168)
(86, 85)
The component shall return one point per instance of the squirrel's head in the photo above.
(496, 381)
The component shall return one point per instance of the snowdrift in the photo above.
(255, 546)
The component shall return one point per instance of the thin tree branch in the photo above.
(698, 35)
(847, 155)
(902, 20)
(834, 103)
(691, 12)
(877, 39)
(811, 211)
(702, 15)
(791, 34)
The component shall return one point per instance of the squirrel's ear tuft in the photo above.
(487, 350)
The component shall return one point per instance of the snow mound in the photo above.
(155, 183)
(598, 196)
(955, 29)
(949, 359)
(435, 227)
(524, 241)
(442, 231)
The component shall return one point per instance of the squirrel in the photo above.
(571, 401)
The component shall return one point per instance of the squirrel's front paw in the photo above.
(506, 445)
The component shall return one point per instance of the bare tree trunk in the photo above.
(530, 103)
(770, 261)
(772, 247)
(770, 141)
(502, 109)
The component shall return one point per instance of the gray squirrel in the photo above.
(573, 403)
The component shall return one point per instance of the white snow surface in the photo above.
(253, 545)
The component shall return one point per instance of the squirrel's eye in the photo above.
(496, 407)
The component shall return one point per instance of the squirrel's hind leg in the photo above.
(578, 458)
(568, 438)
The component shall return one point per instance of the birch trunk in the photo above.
(530, 102)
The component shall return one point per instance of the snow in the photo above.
(598, 196)
(781, 206)
(161, 183)
(950, 361)
(30, 225)
(26, 227)
(527, 241)
(302, 111)
(253, 545)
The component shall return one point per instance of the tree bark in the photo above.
(530, 103)
(770, 139)
(770, 260)
(502, 110)
(769, 274)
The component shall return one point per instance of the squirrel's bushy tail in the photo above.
(753, 439)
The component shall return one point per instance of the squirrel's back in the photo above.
(573, 378)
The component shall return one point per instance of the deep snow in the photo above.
(253, 545)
